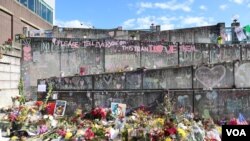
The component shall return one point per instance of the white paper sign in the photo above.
(55, 96)
(41, 88)
(36, 56)
(240, 34)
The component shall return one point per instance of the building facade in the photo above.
(17, 18)
(20, 16)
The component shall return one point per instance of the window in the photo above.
(48, 15)
(44, 12)
(31, 5)
(24, 2)
(51, 17)
(38, 9)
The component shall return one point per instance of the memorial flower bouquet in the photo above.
(99, 113)
(156, 134)
(89, 134)
(99, 131)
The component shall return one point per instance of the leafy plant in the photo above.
(7, 46)
(49, 94)
(22, 98)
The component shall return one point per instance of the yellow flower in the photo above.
(182, 133)
(78, 111)
(14, 138)
(219, 129)
(158, 122)
(168, 139)
(68, 135)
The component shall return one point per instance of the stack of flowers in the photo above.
(99, 113)
(140, 125)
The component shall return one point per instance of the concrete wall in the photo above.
(59, 32)
(205, 34)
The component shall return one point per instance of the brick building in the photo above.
(18, 17)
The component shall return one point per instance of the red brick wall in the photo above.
(18, 12)
(5, 26)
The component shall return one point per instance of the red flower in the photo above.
(170, 131)
(39, 103)
(12, 117)
(103, 112)
(233, 122)
(50, 108)
(9, 40)
(61, 132)
(99, 112)
(89, 134)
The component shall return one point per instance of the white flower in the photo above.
(45, 116)
(53, 123)
(51, 117)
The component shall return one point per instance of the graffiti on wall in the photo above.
(182, 100)
(210, 77)
(76, 82)
(193, 54)
(168, 57)
(27, 51)
(218, 76)
(110, 81)
(242, 75)
(116, 59)
(168, 79)
(133, 80)
(225, 53)
(56, 45)
(221, 103)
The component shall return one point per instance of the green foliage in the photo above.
(49, 94)
(22, 98)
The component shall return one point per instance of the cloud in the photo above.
(248, 5)
(172, 5)
(238, 1)
(167, 23)
(145, 22)
(197, 21)
(203, 7)
(73, 24)
(235, 17)
(223, 7)
(129, 23)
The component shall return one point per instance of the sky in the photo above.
(140, 14)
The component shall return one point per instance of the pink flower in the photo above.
(61, 132)
(12, 117)
(89, 134)
(42, 129)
